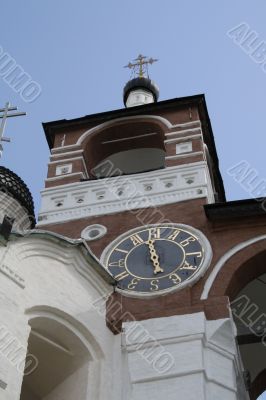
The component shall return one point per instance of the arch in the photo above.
(239, 275)
(163, 121)
(221, 278)
(109, 149)
(67, 354)
(78, 329)
(52, 246)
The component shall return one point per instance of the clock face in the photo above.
(156, 258)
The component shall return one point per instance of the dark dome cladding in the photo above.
(14, 185)
(141, 83)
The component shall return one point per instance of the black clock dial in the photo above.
(155, 258)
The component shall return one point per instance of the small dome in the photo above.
(141, 83)
(12, 184)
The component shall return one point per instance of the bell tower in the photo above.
(138, 165)
(139, 281)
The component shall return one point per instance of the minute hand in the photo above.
(154, 257)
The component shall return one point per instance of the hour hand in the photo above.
(154, 257)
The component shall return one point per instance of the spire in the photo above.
(140, 90)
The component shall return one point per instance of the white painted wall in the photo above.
(55, 288)
(73, 388)
(205, 362)
(184, 357)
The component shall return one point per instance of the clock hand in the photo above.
(154, 257)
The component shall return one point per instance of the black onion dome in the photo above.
(141, 83)
(11, 183)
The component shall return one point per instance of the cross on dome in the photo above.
(140, 65)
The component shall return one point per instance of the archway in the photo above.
(242, 277)
(129, 145)
(64, 360)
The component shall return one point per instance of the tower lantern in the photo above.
(141, 89)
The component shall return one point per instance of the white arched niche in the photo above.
(67, 358)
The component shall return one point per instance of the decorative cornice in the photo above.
(48, 244)
(126, 192)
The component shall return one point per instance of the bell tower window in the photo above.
(125, 148)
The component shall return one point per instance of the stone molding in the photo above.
(124, 193)
(206, 360)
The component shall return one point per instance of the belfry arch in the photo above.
(130, 145)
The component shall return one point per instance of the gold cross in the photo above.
(140, 62)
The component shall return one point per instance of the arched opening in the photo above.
(63, 363)
(247, 296)
(241, 275)
(129, 147)
(249, 313)
(262, 396)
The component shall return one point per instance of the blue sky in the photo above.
(76, 50)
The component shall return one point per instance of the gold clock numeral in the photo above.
(154, 233)
(186, 265)
(187, 241)
(198, 254)
(133, 283)
(174, 234)
(175, 278)
(121, 276)
(120, 263)
(136, 239)
(154, 285)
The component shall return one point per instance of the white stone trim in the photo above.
(183, 139)
(65, 154)
(165, 121)
(219, 265)
(204, 362)
(65, 160)
(184, 147)
(55, 178)
(187, 123)
(189, 282)
(118, 121)
(85, 335)
(191, 154)
(85, 234)
(183, 131)
(62, 149)
(53, 248)
(71, 159)
(63, 169)
(75, 326)
(100, 197)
